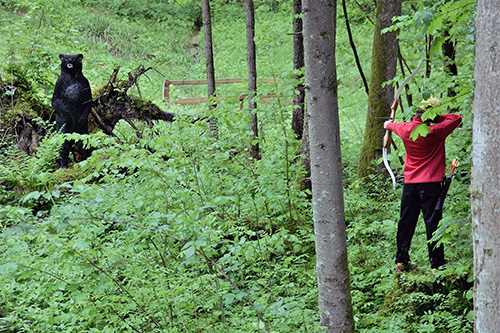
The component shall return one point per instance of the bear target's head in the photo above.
(71, 63)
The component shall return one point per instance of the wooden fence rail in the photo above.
(204, 99)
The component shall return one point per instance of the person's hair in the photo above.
(421, 110)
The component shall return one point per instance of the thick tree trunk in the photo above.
(305, 151)
(450, 65)
(384, 61)
(252, 79)
(485, 176)
(326, 166)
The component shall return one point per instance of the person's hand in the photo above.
(387, 122)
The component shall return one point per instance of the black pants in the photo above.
(419, 197)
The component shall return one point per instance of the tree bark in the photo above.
(450, 65)
(485, 176)
(298, 64)
(252, 79)
(449, 54)
(299, 123)
(326, 166)
(383, 68)
(209, 60)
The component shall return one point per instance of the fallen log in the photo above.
(26, 118)
(113, 104)
(21, 109)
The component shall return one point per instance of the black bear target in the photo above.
(72, 101)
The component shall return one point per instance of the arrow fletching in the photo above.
(454, 165)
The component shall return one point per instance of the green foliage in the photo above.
(422, 300)
(176, 230)
(106, 243)
(19, 170)
(189, 13)
(424, 27)
(420, 130)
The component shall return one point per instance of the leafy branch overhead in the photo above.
(433, 17)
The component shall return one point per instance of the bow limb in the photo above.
(387, 137)
(388, 167)
(387, 142)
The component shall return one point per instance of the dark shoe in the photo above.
(405, 267)
(439, 267)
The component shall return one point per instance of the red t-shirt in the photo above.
(425, 157)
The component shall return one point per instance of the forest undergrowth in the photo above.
(175, 230)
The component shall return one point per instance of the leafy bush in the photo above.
(142, 235)
(179, 231)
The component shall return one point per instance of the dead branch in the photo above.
(114, 104)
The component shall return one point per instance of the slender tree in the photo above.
(353, 47)
(449, 55)
(209, 59)
(252, 78)
(383, 68)
(299, 121)
(485, 176)
(298, 65)
(326, 166)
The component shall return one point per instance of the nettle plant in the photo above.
(174, 231)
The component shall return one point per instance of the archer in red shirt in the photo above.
(424, 171)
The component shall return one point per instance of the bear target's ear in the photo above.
(61, 56)
(80, 56)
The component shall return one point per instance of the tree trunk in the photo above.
(326, 166)
(252, 79)
(449, 60)
(209, 59)
(298, 64)
(305, 151)
(450, 65)
(384, 61)
(299, 123)
(485, 176)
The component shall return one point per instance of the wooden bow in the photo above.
(386, 142)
